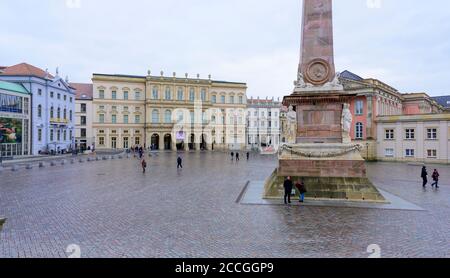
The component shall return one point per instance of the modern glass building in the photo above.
(15, 107)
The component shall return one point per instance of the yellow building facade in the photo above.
(168, 113)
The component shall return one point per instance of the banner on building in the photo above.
(10, 131)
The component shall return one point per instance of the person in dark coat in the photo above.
(424, 176)
(237, 157)
(302, 190)
(144, 165)
(232, 156)
(248, 156)
(179, 163)
(288, 185)
(435, 177)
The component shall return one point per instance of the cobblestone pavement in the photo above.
(110, 209)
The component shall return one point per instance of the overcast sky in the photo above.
(404, 43)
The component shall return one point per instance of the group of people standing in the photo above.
(289, 186)
(434, 176)
(238, 156)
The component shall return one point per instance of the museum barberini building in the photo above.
(168, 113)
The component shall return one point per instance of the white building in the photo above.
(84, 136)
(414, 138)
(53, 106)
(263, 125)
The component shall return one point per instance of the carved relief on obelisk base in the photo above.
(316, 70)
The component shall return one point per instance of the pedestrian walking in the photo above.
(424, 176)
(232, 156)
(435, 177)
(179, 163)
(144, 165)
(302, 190)
(248, 156)
(288, 185)
(237, 157)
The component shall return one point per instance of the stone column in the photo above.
(161, 141)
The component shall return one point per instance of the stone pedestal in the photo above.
(330, 171)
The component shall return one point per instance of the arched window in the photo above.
(155, 116)
(168, 117)
(359, 131)
(39, 111)
(222, 99)
(180, 94)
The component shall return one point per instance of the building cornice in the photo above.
(414, 118)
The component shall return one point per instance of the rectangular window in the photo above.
(389, 134)
(214, 99)
(410, 134)
(125, 95)
(432, 133)
(101, 141)
(137, 119)
(359, 107)
(101, 94)
(155, 93)
(241, 100)
(114, 95)
(203, 95)
(180, 94)
(114, 119)
(51, 94)
(359, 132)
(125, 119)
(191, 94)
(389, 152)
(137, 141)
(101, 118)
(65, 97)
(137, 96)
(40, 92)
(58, 96)
(83, 133)
(409, 152)
(40, 135)
(231, 99)
(168, 95)
(51, 134)
(83, 108)
(432, 153)
(83, 120)
(222, 99)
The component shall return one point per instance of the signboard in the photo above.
(10, 131)
(181, 136)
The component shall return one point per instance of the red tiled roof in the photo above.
(25, 69)
(83, 91)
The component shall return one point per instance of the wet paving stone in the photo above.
(111, 209)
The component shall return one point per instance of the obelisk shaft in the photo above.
(317, 54)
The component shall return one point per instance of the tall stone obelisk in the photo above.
(319, 148)
(317, 53)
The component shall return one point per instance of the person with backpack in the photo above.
(144, 165)
(424, 176)
(302, 190)
(435, 177)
